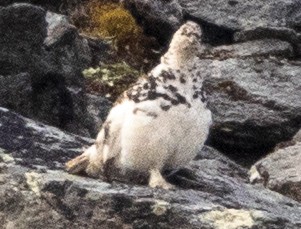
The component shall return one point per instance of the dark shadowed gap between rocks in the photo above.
(163, 31)
(235, 146)
(244, 157)
(213, 34)
(53, 85)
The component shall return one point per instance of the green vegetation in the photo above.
(131, 51)
(110, 80)
(112, 21)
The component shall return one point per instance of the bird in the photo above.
(160, 122)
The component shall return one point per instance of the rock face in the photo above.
(159, 18)
(224, 22)
(254, 101)
(97, 108)
(41, 58)
(281, 171)
(251, 62)
(246, 20)
(263, 48)
(212, 191)
(30, 141)
(238, 15)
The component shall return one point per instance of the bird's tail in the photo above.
(81, 162)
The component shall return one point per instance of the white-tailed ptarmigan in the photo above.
(160, 122)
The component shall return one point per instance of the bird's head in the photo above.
(184, 46)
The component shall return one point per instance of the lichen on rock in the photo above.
(110, 80)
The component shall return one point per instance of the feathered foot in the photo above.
(156, 180)
(86, 162)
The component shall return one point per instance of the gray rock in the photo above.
(46, 49)
(69, 52)
(98, 108)
(237, 21)
(211, 192)
(255, 104)
(9, 2)
(53, 5)
(298, 46)
(158, 18)
(20, 42)
(239, 15)
(222, 22)
(265, 47)
(20, 90)
(297, 137)
(293, 141)
(225, 22)
(100, 50)
(33, 143)
(280, 171)
(281, 33)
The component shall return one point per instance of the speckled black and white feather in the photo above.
(162, 120)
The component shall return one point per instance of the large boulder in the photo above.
(98, 108)
(211, 192)
(36, 144)
(42, 57)
(280, 171)
(264, 47)
(255, 102)
(9, 2)
(239, 15)
(158, 18)
(53, 5)
(223, 22)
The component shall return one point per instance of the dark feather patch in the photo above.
(106, 127)
(148, 89)
(165, 107)
(151, 114)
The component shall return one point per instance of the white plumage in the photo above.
(160, 122)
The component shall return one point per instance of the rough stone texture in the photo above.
(281, 33)
(211, 192)
(20, 40)
(255, 103)
(298, 50)
(297, 137)
(238, 15)
(223, 22)
(36, 143)
(20, 90)
(45, 55)
(53, 5)
(232, 16)
(255, 100)
(98, 108)
(70, 51)
(100, 50)
(9, 2)
(265, 47)
(158, 18)
(280, 171)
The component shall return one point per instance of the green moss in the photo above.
(110, 80)
(109, 20)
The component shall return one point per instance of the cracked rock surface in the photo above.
(280, 171)
(211, 192)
